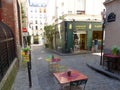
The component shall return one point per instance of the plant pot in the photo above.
(25, 53)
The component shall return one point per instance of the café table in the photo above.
(53, 64)
(111, 60)
(63, 78)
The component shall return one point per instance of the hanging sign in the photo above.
(24, 29)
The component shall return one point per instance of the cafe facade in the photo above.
(78, 36)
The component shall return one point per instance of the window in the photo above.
(80, 12)
(36, 21)
(44, 10)
(36, 27)
(40, 10)
(69, 12)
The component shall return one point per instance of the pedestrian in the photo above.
(96, 45)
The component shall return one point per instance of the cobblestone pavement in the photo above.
(43, 80)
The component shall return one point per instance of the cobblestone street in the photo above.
(43, 80)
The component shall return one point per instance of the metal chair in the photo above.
(78, 83)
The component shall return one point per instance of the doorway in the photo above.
(82, 41)
(36, 39)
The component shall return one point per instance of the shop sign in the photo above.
(25, 33)
(111, 17)
(97, 26)
(78, 27)
(24, 29)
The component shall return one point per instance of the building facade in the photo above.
(36, 21)
(85, 18)
(10, 41)
(77, 36)
(112, 25)
(61, 8)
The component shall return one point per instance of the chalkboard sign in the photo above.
(111, 17)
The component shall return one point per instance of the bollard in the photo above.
(29, 74)
(30, 59)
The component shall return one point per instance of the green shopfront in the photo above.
(72, 36)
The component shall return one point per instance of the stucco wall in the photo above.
(112, 29)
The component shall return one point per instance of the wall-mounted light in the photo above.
(90, 26)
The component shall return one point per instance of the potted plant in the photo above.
(115, 50)
(25, 50)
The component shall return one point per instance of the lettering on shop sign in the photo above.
(81, 27)
(111, 17)
(97, 26)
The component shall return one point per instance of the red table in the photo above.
(111, 56)
(63, 78)
(111, 59)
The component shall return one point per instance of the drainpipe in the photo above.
(103, 29)
(0, 10)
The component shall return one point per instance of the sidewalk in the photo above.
(22, 81)
(97, 67)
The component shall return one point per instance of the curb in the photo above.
(104, 72)
(66, 54)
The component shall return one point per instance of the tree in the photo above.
(49, 32)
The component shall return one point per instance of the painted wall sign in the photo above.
(111, 17)
(78, 27)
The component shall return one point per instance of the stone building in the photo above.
(10, 41)
(112, 25)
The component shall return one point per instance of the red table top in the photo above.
(111, 56)
(63, 78)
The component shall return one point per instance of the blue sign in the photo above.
(111, 17)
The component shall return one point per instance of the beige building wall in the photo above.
(112, 29)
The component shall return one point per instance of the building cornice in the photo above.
(108, 2)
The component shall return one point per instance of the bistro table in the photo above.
(63, 78)
(53, 63)
(111, 60)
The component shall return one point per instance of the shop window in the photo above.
(97, 35)
(36, 27)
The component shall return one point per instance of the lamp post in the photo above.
(103, 29)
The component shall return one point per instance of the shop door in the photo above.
(36, 39)
(82, 41)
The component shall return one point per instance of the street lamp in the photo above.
(103, 29)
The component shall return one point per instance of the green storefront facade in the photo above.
(77, 35)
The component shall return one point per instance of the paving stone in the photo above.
(42, 79)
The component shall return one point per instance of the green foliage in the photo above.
(26, 49)
(29, 40)
(61, 17)
(49, 32)
(115, 50)
(23, 13)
